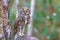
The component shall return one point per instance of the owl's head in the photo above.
(25, 11)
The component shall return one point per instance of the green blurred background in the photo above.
(46, 22)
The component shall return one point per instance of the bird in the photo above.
(25, 11)
(22, 21)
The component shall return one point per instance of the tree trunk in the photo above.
(29, 32)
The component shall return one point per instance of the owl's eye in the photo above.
(26, 11)
(23, 9)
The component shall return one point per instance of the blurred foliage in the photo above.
(11, 2)
(40, 17)
(12, 16)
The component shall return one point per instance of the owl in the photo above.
(22, 20)
(25, 11)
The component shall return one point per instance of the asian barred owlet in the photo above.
(23, 19)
